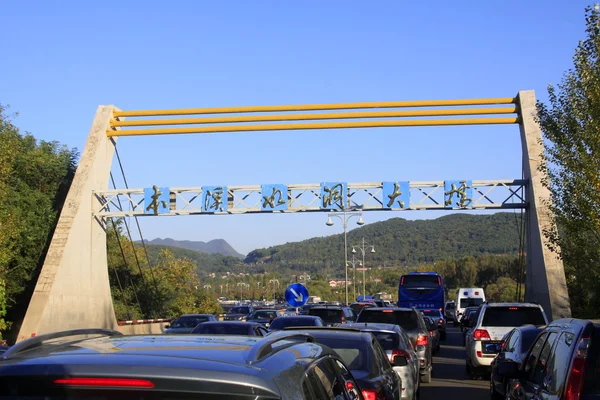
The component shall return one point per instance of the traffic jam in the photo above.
(370, 349)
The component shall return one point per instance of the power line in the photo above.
(137, 222)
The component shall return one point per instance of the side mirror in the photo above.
(509, 369)
(400, 361)
(167, 326)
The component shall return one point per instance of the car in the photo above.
(411, 320)
(264, 316)
(395, 342)
(280, 323)
(495, 320)
(364, 357)
(231, 328)
(186, 323)
(439, 319)
(434, 334)
(358, 306)
(239, 313)
(450, 312)
(562, 363)
(468, 320)
(101, 363)
(514, 348)
(464, 317)
(332, 315)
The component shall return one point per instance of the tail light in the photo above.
(479, 354)
(422, 340)
(441, 321)
(343, 319)
(401, 281)
(105, 382)
(369, 394)
(439, 281)
(349, 385)
(481, 334)
(431, 333)
(577, 374)
(397, 352)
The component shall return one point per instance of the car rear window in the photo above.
(406, 319)
(591, 384)
(188, 322)
(239, 310)
(221, 329)
(513, 316)
(433, 313)
(420, 281)
(284, 322)
(265, 314)
(387, 340)
(464, 303)
(329, 315)
(354, 353)
(451, 306)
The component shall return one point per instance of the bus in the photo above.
(423, 290)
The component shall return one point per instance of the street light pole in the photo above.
(353, 263)
(345, 217)
(362, 249)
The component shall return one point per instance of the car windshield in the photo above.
(263, 314)
(239, 310)
(513, 316)
(354, 353)
(470, 302)
(387, 340)
(188, 322)
(221, 329)
(284, 322)
(406, 319)
(329, 315)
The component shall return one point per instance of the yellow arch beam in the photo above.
(317, 107)
(327, 125)
(304, 117)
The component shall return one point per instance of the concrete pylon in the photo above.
(545, 280)
(73, 289)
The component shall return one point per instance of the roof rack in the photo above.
(38, 340)
(265, 347)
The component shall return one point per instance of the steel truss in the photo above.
(366, 196)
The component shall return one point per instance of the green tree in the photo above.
(35, 177)
(571, 125)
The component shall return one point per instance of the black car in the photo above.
(280, 323)
(239, 313)
(440, 320)
(514, 348)
(411, 320)
(562, 363)
(100, 363)
(186, 323)
(332, 315)
(358, 306)
(231, 328)
(264, 316)
(365, 358)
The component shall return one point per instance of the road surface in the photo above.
(450, 381)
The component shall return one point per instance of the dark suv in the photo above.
(99, 363)
(331, 315)
(563, 363)
(411, 320)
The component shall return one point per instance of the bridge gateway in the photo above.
(73, 289)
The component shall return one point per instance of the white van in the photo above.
(468, 297)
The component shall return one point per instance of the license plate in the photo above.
(492, 348)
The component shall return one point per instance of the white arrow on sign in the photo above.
(297, 297)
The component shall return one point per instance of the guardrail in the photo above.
(144, 321)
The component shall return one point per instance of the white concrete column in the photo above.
(545, 281)
(73, 289)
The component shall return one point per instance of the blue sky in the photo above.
(64, 58)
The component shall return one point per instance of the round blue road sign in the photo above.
(296, 295)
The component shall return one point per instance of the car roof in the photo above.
(374, 326)
(512, 305)
(196, 315)
(297, 316)
(371, 309)
(228, 323)
(329, 331)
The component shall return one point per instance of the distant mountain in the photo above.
(219, 246)
(400, 242)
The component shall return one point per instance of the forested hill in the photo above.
(401, 242)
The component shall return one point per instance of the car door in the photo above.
(414, 357)
(535, 378)
(389, 379)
